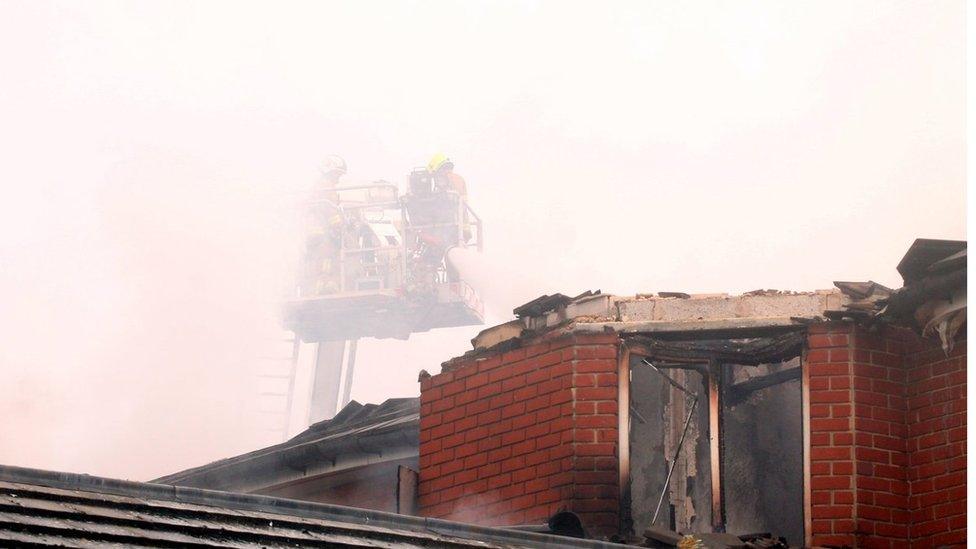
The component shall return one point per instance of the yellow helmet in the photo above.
(439, 161)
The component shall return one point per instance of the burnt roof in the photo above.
(387, 429)
(356, 417)
(70, 510)
(953, 262)
(925, 252)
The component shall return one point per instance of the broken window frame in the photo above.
(713, 355)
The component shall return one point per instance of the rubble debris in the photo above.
(861, 290)
(563, 523)
(663, 537)
(548, 303)
(762, 292)
(867, 299)
(680, 295)
(540, 305)
(763, 541)
(720, 541)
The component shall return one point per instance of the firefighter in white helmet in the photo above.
(333, 167)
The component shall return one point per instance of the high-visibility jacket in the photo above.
(454, 182)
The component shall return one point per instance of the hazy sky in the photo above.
(151, 154)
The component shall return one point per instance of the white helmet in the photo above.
(333, 163)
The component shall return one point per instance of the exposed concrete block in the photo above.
(598, 305)
(637, 310)
(662, 314)
(661, 326)
(722, 306)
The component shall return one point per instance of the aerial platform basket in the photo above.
(391, 275)
(382, 313)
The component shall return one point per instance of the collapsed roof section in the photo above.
(932, 301)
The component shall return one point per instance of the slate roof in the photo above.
(46, 508)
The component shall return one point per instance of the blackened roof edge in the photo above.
(345, 432)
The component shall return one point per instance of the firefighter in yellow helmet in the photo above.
(324, 229)
(441, 169)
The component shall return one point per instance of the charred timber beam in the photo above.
(751, 351)
(740, 391)
(636, 348)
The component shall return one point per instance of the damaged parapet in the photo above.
(670, 312)
(932, 302)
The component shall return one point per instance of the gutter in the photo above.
(278, 465)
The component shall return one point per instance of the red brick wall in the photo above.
(937, 444)
(832, 482)
(514, 437)
(887, 436)
(880, 448)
